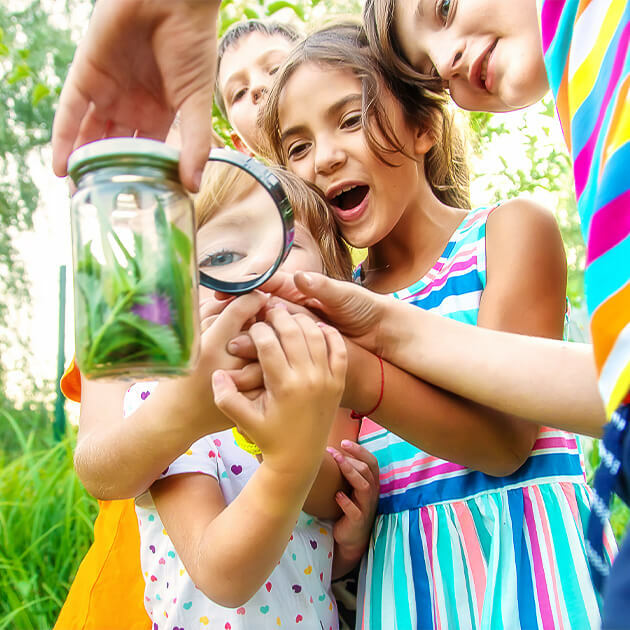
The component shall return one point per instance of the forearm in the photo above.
(545, 381)
(114, 458)
(437, 421)
(233, 555)
(320, 501)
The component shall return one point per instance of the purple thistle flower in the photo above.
(156, 310)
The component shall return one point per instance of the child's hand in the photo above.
(242, 346)
(189, 399)
(303, 367)
(353, 529)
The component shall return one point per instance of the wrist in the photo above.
(282, 490)
(364, 381)
(349, 555)
(398, 326)
(186, 418)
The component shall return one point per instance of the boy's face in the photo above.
(488, 51)
(245, 76)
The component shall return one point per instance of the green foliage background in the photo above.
(45, 515)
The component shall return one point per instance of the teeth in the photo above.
(345, 189)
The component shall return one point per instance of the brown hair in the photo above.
(345, 44)
(378, 17)
(223, 184)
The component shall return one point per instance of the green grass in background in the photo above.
(46, 525)
(46, 520)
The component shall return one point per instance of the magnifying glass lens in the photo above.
(244, 223)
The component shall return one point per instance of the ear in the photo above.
(424, 141)
(239, 145)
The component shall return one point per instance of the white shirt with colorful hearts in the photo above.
(296, 595)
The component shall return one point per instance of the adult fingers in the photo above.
(282, 284)
(350, 308)
(196, 133)
(73, 105)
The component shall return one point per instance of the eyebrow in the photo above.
(331, 111)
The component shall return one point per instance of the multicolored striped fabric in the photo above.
(586, 46)
(453, 548)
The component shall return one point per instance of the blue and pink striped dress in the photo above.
(455, 548)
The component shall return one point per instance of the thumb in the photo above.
(237, 313)
(332, 297)
(196, 132)
(231, 402)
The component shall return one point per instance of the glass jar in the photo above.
(135, 273)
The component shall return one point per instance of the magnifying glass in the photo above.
(244, 223)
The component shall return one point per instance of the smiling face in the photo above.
(319, 115)
(245, 75)
(488, 51)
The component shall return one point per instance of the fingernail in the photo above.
(331, 450)
(232, 347)
(218, 378)
(347, 443)
(280, 305)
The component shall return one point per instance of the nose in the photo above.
(449, 59)
(258, 94)
(329, 156)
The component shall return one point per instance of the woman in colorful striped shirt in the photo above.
(494, 57)
(458, 542)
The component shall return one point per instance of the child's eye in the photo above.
(221, 258)
(351, 121)
(239, 95)
(443, 9)
(297, 150)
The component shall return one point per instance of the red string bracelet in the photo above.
(355, 415)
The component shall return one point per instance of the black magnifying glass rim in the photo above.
(273, 186)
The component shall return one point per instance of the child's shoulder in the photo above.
(523, 220)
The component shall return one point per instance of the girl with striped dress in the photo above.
(497, 56)
(471, 531)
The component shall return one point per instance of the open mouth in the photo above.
(484, 64)
(350, 197)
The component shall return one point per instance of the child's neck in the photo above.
(411, 249)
